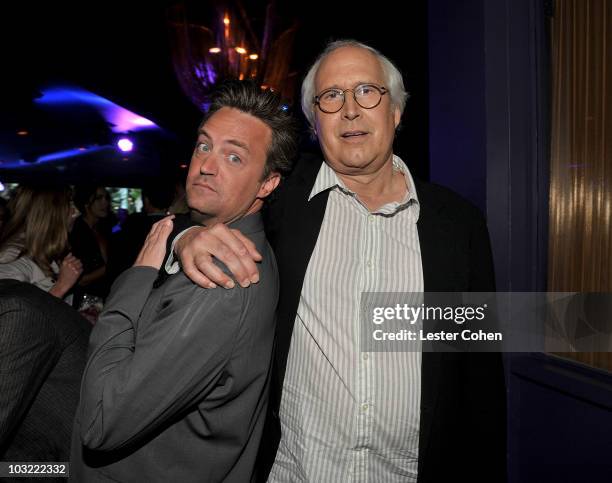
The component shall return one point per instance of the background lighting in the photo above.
(125, 145)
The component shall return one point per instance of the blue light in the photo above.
(67, 154)
(52, 157)
(71, 95)
(120, 118)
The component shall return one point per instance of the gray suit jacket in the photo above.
(176, 385)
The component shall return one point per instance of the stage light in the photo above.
(125, 145)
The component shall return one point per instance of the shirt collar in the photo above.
(328, 179)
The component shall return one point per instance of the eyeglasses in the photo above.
(367, 96)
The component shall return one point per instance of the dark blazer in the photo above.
(463, 401)
(43, 345)
(177, 382)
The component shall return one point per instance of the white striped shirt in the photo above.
(348, 416)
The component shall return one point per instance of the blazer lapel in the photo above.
(301, 224)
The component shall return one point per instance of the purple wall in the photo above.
(457, 111)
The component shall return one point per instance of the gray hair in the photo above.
(393, 78)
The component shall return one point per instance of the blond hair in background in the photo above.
(38, 224)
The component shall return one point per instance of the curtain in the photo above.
(580, 237)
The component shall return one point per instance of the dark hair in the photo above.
(266, 105)
(159, 193)
(84, 194)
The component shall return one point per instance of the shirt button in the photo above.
(370, 219)
(365, 357)
(364, 407)
(368, 264)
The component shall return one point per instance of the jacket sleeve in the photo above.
(28, 352)
(144, 371)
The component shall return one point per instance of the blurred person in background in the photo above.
(179, 202)
(126, 243)
(43, 350)
(34, 242)
(89, 239)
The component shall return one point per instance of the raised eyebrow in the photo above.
(234, 142)
(202, 132)
(239, 144)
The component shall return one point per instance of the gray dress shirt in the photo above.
(176, 385)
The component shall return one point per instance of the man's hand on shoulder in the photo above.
(154, 249)
(198, 246)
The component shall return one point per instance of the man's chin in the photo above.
(199, 216)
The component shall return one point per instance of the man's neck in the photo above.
(210, 220)
(376, 189)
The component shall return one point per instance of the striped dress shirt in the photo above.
(347, 415)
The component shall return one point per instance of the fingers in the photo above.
(235, 251)
(248, 244)
(199, 246)
(198, 265)
(250, 257)
(77, 266)
(161, 230)
(73, 263)
(234, 263)
(153, 251)
(197, 276)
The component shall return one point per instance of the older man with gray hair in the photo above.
(356, 221)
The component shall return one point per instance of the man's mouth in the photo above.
(353, 134)
(204, 185)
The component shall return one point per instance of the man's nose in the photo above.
(209, 164)
(351, 109)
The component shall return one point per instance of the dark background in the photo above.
(121, 51)
(476, 122)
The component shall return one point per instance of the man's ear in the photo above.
(269, 184)
(397, 116)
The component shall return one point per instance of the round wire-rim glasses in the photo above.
(367, 96)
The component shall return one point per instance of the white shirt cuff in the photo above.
(172, 265)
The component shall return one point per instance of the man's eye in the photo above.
(364, 90)
(234, 158)
(330, 95)
(203, 148)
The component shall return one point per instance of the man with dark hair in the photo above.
(176, 385)
(126, 243)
